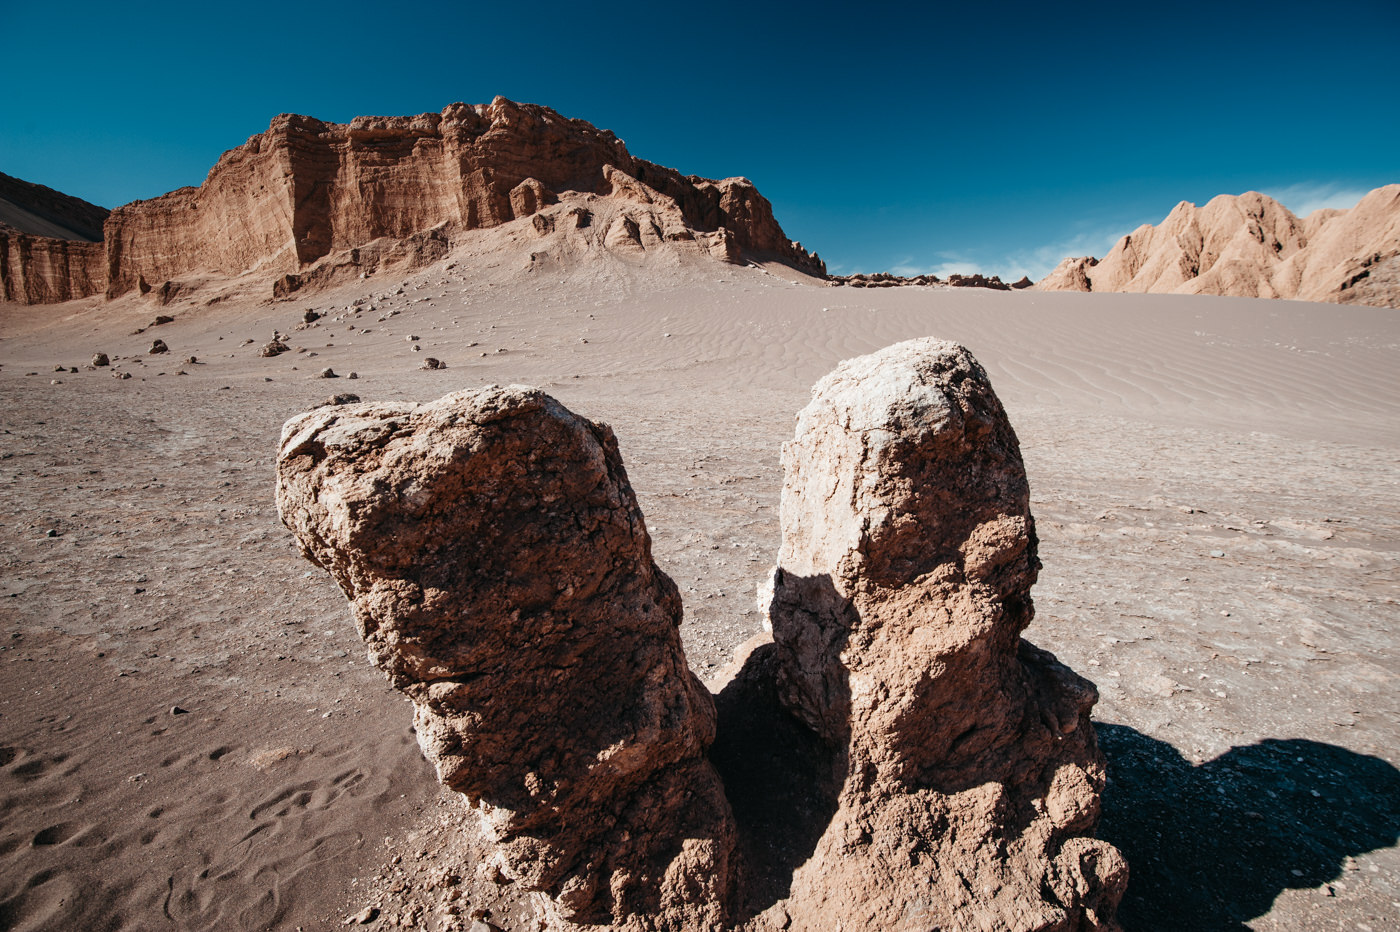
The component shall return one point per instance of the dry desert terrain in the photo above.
(191, 737)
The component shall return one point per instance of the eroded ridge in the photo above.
(499, 571)
(966, 772)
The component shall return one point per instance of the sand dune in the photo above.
(1214, 481)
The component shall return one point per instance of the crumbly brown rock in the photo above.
(499, 571)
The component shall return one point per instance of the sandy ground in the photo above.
(191, 738)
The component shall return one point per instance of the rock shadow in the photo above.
(1211, 847)
(782, 779)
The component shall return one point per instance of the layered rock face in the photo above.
(43, 270)
(308, 199)
(968, 772)
(305, 189)
(1252, 246)
(50, 244)
(499, 571)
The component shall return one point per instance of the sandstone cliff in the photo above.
(1252, 246)
(306, 200)
(41, 270)
(50, 244)
(292, 196)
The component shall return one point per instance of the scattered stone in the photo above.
(342, 398)
(176, 710)
(310, 316)
(121, 375)
(433, 362)
(1217, 553)
(363, 917)
(353, 375)
(55, 381)
(100, 359)
(158, 347)
(161, 319)
(60, 368)
(327, 373)
(51, 533)
(191, 360)
(273, 348)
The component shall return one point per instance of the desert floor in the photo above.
(191, 738)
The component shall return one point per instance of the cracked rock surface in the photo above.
(499, 571)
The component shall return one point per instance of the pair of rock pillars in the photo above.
(912, 762)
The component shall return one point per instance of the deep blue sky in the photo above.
(988, 137)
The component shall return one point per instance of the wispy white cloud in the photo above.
(942, 264)
(1307, 196)
(1036, 262)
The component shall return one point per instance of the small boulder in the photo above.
(158, 347)
(100, 359)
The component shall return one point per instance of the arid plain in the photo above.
(192, 738)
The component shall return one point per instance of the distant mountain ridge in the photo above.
(39, 211)
(301, 202)
(1250, 245)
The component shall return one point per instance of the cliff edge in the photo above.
(294, 198)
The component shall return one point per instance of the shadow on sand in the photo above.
(1210, 847)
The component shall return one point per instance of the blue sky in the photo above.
(970, 137)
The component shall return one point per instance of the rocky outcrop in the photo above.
(894, 757)
(307, 202)
(305, 189)
(1252, 246)
(967, 770)
(50, 244)
(888, 280)
(42, 270)
(499, 571)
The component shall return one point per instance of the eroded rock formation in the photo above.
(1252, 246)
(499, 570)
(307, 200)
(50, 244)
(43, 270)
(897, 757)
(888, 280)
(968, 772)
